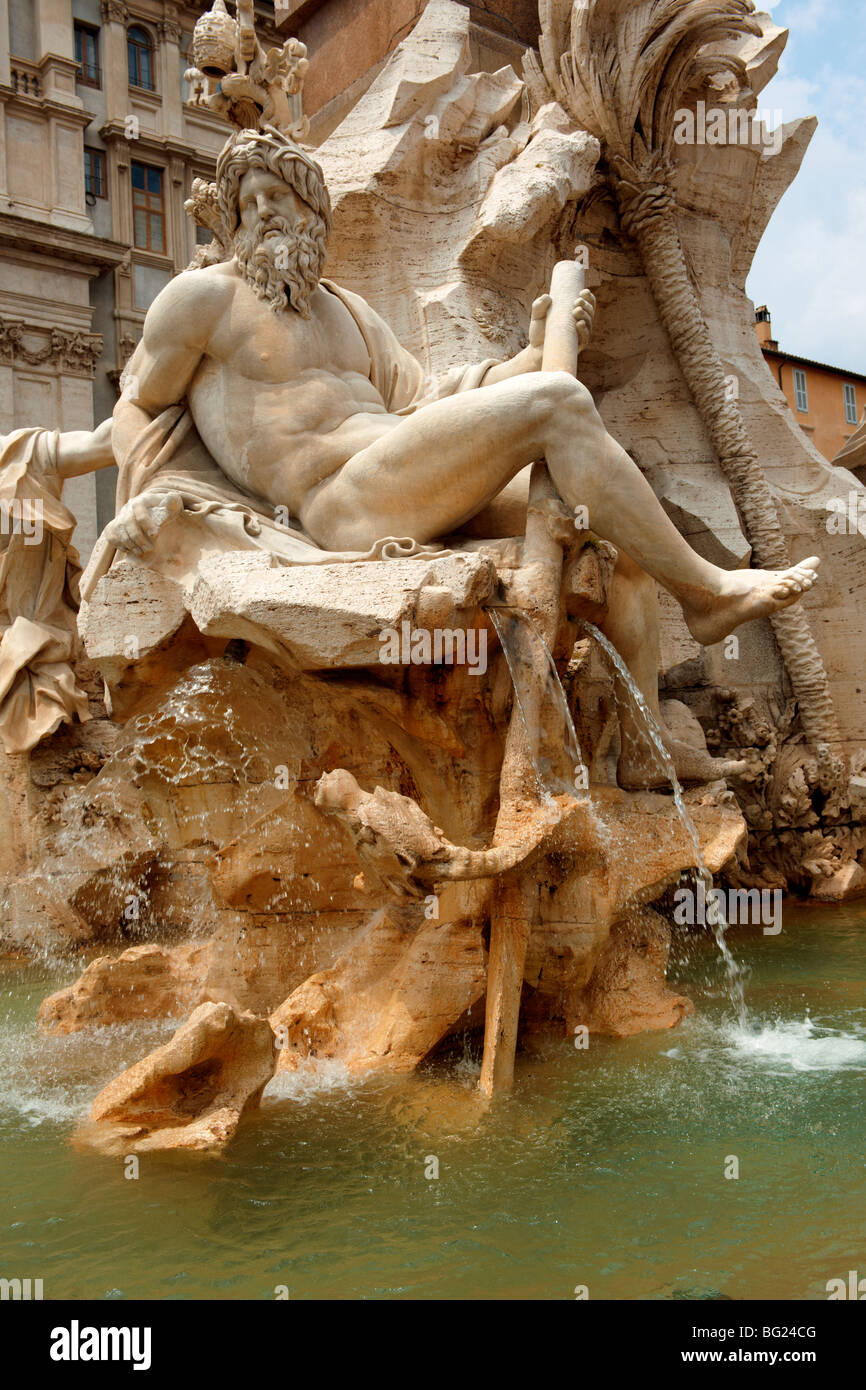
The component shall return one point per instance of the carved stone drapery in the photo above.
(74, 352)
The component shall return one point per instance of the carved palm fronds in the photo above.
(623, 68)
(625, 65)
(203, 207)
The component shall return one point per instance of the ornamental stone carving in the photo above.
(113, 11)
(75, 353)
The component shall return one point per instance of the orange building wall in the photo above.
(824, 422)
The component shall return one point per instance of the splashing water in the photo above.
(528, 656)
(714, 915)
(315, 1076)
(50, 1078)
(799, 1045)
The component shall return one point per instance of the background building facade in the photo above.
(829, 402)
(99, 145)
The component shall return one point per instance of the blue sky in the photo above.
(810, 268)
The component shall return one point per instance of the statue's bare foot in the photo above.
(746, 595)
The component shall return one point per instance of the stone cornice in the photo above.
(46, 106)
(96, 254)
(75, 353)
(113, 132)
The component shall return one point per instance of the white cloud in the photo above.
(807, 16)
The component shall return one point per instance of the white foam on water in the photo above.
(54, 1078)
(800, 1045)
(55, 1106)
(316, 1076)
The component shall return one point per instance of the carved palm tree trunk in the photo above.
(621, 67)
(648, 213)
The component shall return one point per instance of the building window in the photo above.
(148, 208)
(203, 235)
(148, 281)
(850, 403)
(87, 54)
(95, 182)
(139, 57)
(801, 393)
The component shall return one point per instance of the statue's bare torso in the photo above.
(287, 409)
(281, 401)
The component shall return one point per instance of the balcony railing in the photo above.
(26, 80)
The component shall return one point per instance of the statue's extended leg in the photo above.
(429, 472)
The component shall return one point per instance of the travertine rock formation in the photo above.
(627, 992)
(143, 982)
(189, 1094)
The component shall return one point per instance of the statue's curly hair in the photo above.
(269, 149)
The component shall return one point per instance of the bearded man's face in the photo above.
(280, 243)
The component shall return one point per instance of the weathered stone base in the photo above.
(189, 1094)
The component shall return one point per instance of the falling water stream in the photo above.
(714, 916)
(528, 655)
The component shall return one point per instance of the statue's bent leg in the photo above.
(622, 508)
(430, 471)
(433, 470)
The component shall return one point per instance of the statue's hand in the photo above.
(584, 317)
(136, 526)
(537, 323)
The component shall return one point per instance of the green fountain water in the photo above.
(605, 1168)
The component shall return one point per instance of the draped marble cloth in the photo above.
(170, 457)
(38, 596)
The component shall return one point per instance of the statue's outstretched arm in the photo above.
(84, 451)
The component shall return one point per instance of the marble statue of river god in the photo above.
(303, 398)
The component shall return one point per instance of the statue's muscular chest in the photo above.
(276, 348)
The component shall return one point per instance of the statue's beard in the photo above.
(285, 267)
